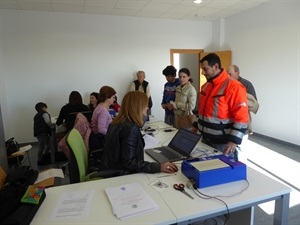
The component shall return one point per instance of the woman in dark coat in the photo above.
(124, 143)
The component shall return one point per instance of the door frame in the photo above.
(187, 51)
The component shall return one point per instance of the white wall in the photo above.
(265, 45)
(46, 55)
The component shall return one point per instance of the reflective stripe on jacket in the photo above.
(223, 110)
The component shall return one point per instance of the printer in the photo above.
(213, 170)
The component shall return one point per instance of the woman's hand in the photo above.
(168, 167)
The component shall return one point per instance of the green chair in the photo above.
(78, 165)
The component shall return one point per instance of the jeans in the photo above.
(44, 145)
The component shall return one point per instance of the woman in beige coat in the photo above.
(185, 101)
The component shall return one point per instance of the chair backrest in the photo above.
(78, 157)
(71, 117)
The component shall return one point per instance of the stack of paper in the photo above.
(129, 200)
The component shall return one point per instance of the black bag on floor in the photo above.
(15, 186)
(12, 146)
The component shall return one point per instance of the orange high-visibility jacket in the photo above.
(223, 110)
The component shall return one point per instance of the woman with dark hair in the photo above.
(124, 143)
(101, 117)
(93, 101)
(75, 105)
(185, 99)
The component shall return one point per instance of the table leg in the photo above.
(281, 210)
(53, 148)
(27, 153)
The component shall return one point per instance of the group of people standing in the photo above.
(222, 117)
(224, 104)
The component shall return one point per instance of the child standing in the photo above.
(169, 93)
(42, 130)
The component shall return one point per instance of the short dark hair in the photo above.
(169, 70)
(39, 106)
(75, 98)
(212, 59)
(105, 92)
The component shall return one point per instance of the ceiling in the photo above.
(208, 10)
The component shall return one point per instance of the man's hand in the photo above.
(230, 148)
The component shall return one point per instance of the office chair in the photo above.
(78, 165)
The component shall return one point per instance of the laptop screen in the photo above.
(184, 141)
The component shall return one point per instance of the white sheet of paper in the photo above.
(23, 149)
(150, 142)
(49, 173)
(75, 205)
(129, 200)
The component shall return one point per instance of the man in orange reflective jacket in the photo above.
(223, 107)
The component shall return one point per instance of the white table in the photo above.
(100, 209)
(175, 207)
(261, 189)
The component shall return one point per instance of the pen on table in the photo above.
(166, 175)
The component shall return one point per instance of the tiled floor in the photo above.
(277, 159)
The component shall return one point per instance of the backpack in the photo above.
(12, 146)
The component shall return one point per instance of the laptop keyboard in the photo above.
(170, 155)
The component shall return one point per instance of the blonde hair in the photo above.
(133, 105)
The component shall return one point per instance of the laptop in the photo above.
(178, 149)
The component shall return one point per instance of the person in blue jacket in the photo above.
(169, 93)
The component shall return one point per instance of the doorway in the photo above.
(188, 58)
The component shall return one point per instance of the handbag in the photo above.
(185, 121)
(12, 146)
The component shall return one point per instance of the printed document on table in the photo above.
(74, 205)
(129, 200)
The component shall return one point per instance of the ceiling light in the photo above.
(197, 1)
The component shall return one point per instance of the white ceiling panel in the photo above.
(208, 10)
